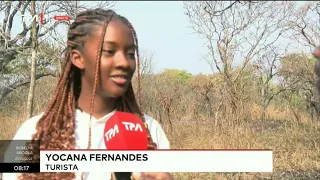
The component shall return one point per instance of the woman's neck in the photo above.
(101, 106)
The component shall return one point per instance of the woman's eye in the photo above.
(132, 55)
(108, 52)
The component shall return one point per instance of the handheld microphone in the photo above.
(124, 131)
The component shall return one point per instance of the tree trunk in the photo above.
(263, 102)
(263, 112)
(33, 62)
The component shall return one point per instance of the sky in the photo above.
(164, 30)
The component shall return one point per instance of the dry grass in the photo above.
(296, 145)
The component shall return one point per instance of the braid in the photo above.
(56, 127)
(129, 95)
(138, 64)
(96, 78)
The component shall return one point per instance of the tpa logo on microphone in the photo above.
(132, 127)
(129, 126)
(112, 132)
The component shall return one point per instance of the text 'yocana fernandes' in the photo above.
(97, 157)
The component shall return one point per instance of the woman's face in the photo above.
(117, 64)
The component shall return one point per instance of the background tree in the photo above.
(236, 37)
(297, 73)
(170, 85)
(33, 61)
(15, 47)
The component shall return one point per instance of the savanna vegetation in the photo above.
(260, 95)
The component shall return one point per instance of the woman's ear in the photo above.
(77, 59)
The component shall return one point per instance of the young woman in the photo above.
(100, 60)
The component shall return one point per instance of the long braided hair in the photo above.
(56, 127)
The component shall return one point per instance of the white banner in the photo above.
(156, 161)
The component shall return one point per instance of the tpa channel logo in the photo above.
(129, 126)
(43, 18)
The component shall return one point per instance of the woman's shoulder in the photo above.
(27, 128)
(157, 132)
(151, 121)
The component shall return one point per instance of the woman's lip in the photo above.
(119, 80)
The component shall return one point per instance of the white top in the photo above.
(82, 119)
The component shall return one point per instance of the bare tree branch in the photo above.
(236, 35)
(7, 89)
(304, 24)
(13, 47)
